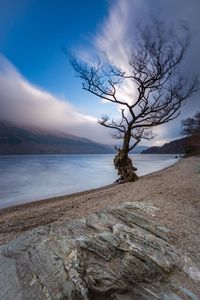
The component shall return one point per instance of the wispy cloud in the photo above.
(26, 104)
(116, 38)
(115, 41)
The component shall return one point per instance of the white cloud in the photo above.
(23, 102)
(116, 39)
(26, 104)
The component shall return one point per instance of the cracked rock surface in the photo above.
(116, 253)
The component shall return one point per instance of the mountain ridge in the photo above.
(180, 146)
(17, 139)
(23, 139)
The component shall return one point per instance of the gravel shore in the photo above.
(175, 191)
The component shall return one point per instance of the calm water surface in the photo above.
(28, 178)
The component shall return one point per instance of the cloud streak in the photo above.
(118, 32)
(24, 104)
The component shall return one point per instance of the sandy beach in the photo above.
(175, 191)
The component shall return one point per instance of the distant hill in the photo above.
(17, 140)
(180, 146)
(138, 149)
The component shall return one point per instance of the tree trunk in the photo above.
(123, 163)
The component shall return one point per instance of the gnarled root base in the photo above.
(123, 164)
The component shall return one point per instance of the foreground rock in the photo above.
(117, 253)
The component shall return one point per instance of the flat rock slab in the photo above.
(116, 253)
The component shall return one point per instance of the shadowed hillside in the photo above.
(185, 145)
(16, 140)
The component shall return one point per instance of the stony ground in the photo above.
(118, 253)
(175, 191)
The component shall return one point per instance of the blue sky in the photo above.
(33, 32)
(37, 83)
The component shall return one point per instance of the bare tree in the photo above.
(191, 126)
(191, 129)
(154, 69)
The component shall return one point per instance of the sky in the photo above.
(37, 82)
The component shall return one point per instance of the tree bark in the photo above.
(123, 163)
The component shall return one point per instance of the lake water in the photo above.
(28, 178)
